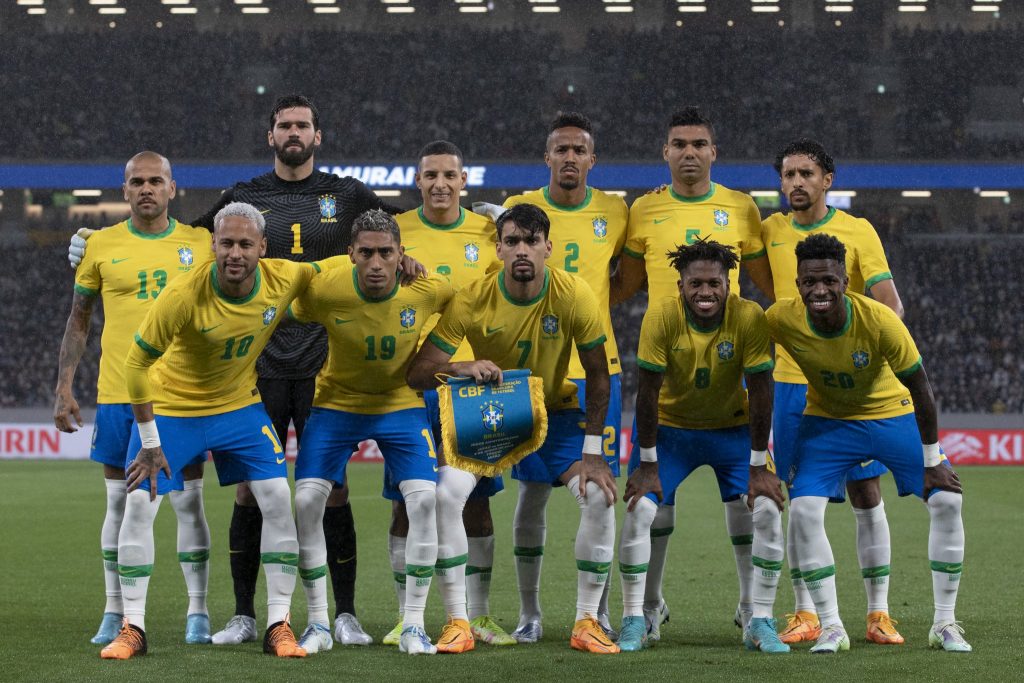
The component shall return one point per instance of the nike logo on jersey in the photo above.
(117, 260)
(339, 321)
(659, 221)
(204, 330)
(280, 460)
(492, 330)
(777, 244)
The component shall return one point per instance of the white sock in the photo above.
(453, 489)
(945, 551)
(310, 500)
(635, 554)
(421, 546)
(595, 541)
(116, 493)
(529, 529)
(802, 597)
(739, 524)
(396, 554)
(279, 545)
(193, 543)
(873, 553)
(478, 575)
(135, 554)
(661, 529)
(766, 556)
(817, 566)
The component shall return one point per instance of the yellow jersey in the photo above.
(203, 344)
(852, 374)
(703, 368)
(866, 264)
(584, 240)
(129, 269)
(663, 221)
(462, 252)
(370, 342)
(538, 334)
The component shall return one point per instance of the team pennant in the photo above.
(486, 428)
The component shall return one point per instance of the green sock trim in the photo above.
(399, 577)
(947, 567)
(795, 574)
(313, 573)
(662, 531)
(524, 551)
(742, 540)
(819, 574)
(290, 559)
(633, 568)
(451, 562)
(470, 570)
(771, 565)
(135, 572)
(109, 555)
(194, 556)
(875, 572)
(419, 571)
(593, 567)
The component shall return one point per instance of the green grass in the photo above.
(52, 594)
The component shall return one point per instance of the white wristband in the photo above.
(932, 454)
(649, 454)
(150, 436)
(758, 458)
(592, 444)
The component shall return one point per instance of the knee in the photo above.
(476, 517)
(639, 520)
(945, 504)
(338, 497)
(310, 496)
(420, 499)
(806, 515)
(244, 497)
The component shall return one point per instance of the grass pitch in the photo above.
(52, 594)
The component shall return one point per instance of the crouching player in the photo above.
(695, 351)
(868, 396)
(529, 316)
(373, 328)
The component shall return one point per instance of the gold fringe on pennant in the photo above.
(478, 467)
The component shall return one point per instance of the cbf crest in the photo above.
(860, 359)
(328, 209)
(549, 324)
(472, 252)
(407, 317)
(721, 218)
(186, 258)
(726, 350)
(493, 415)
(600, 227)
(269, 314)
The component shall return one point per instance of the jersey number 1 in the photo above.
(296, 238)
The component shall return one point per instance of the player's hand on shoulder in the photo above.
(764, 482)
(482, 371)
(492, 211)
(942, 477)
(658, 190)
(409, 269)
(64, 408)
(644, 480)
(76, 249)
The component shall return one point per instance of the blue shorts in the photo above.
(562, 448)
(111, 434)
(790, 401)
(485, 487)
(332, 435)
(681, 451)
(612, 421)
(827, 448)
(244, 444)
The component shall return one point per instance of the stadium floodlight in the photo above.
(112, 10)
(388, 193)
(327, 10)
(916, 194)
(248, 2)
(764, 193)
(403, 9)
(255, 10)
(619, 8)
(547, 9)
(984, 8)
(36, 10)
(29, 3)
(174, 2)
(838, 8)
(994, 194)
(102, 2)
(86, 193)
(473, 9)
(763, 9)
(692, 8)
(912, 8)
(842, 193)
(322, 2)
(184, 10)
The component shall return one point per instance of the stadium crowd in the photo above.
(494, 105)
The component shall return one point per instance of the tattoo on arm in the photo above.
(76, 336)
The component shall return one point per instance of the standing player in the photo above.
(202, 338)
(588, 229)
(868, 396)
(702, 345)
(128, 266)
(454, 243)
(373, 331)
(806, 170)
(530, 316)
(693, 208)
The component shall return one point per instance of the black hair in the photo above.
(376, 220)
(527, 217)
(440, 147)
(571, 119)
(290, 102)
(703, 250)
(821, 246)
(692, 116)
(812, 149)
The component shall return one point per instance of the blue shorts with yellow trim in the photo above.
(681, 451)
(562, 448)
(612, 421)
(826, 449)
(244, 444)
(332, 435)
(790, 401)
